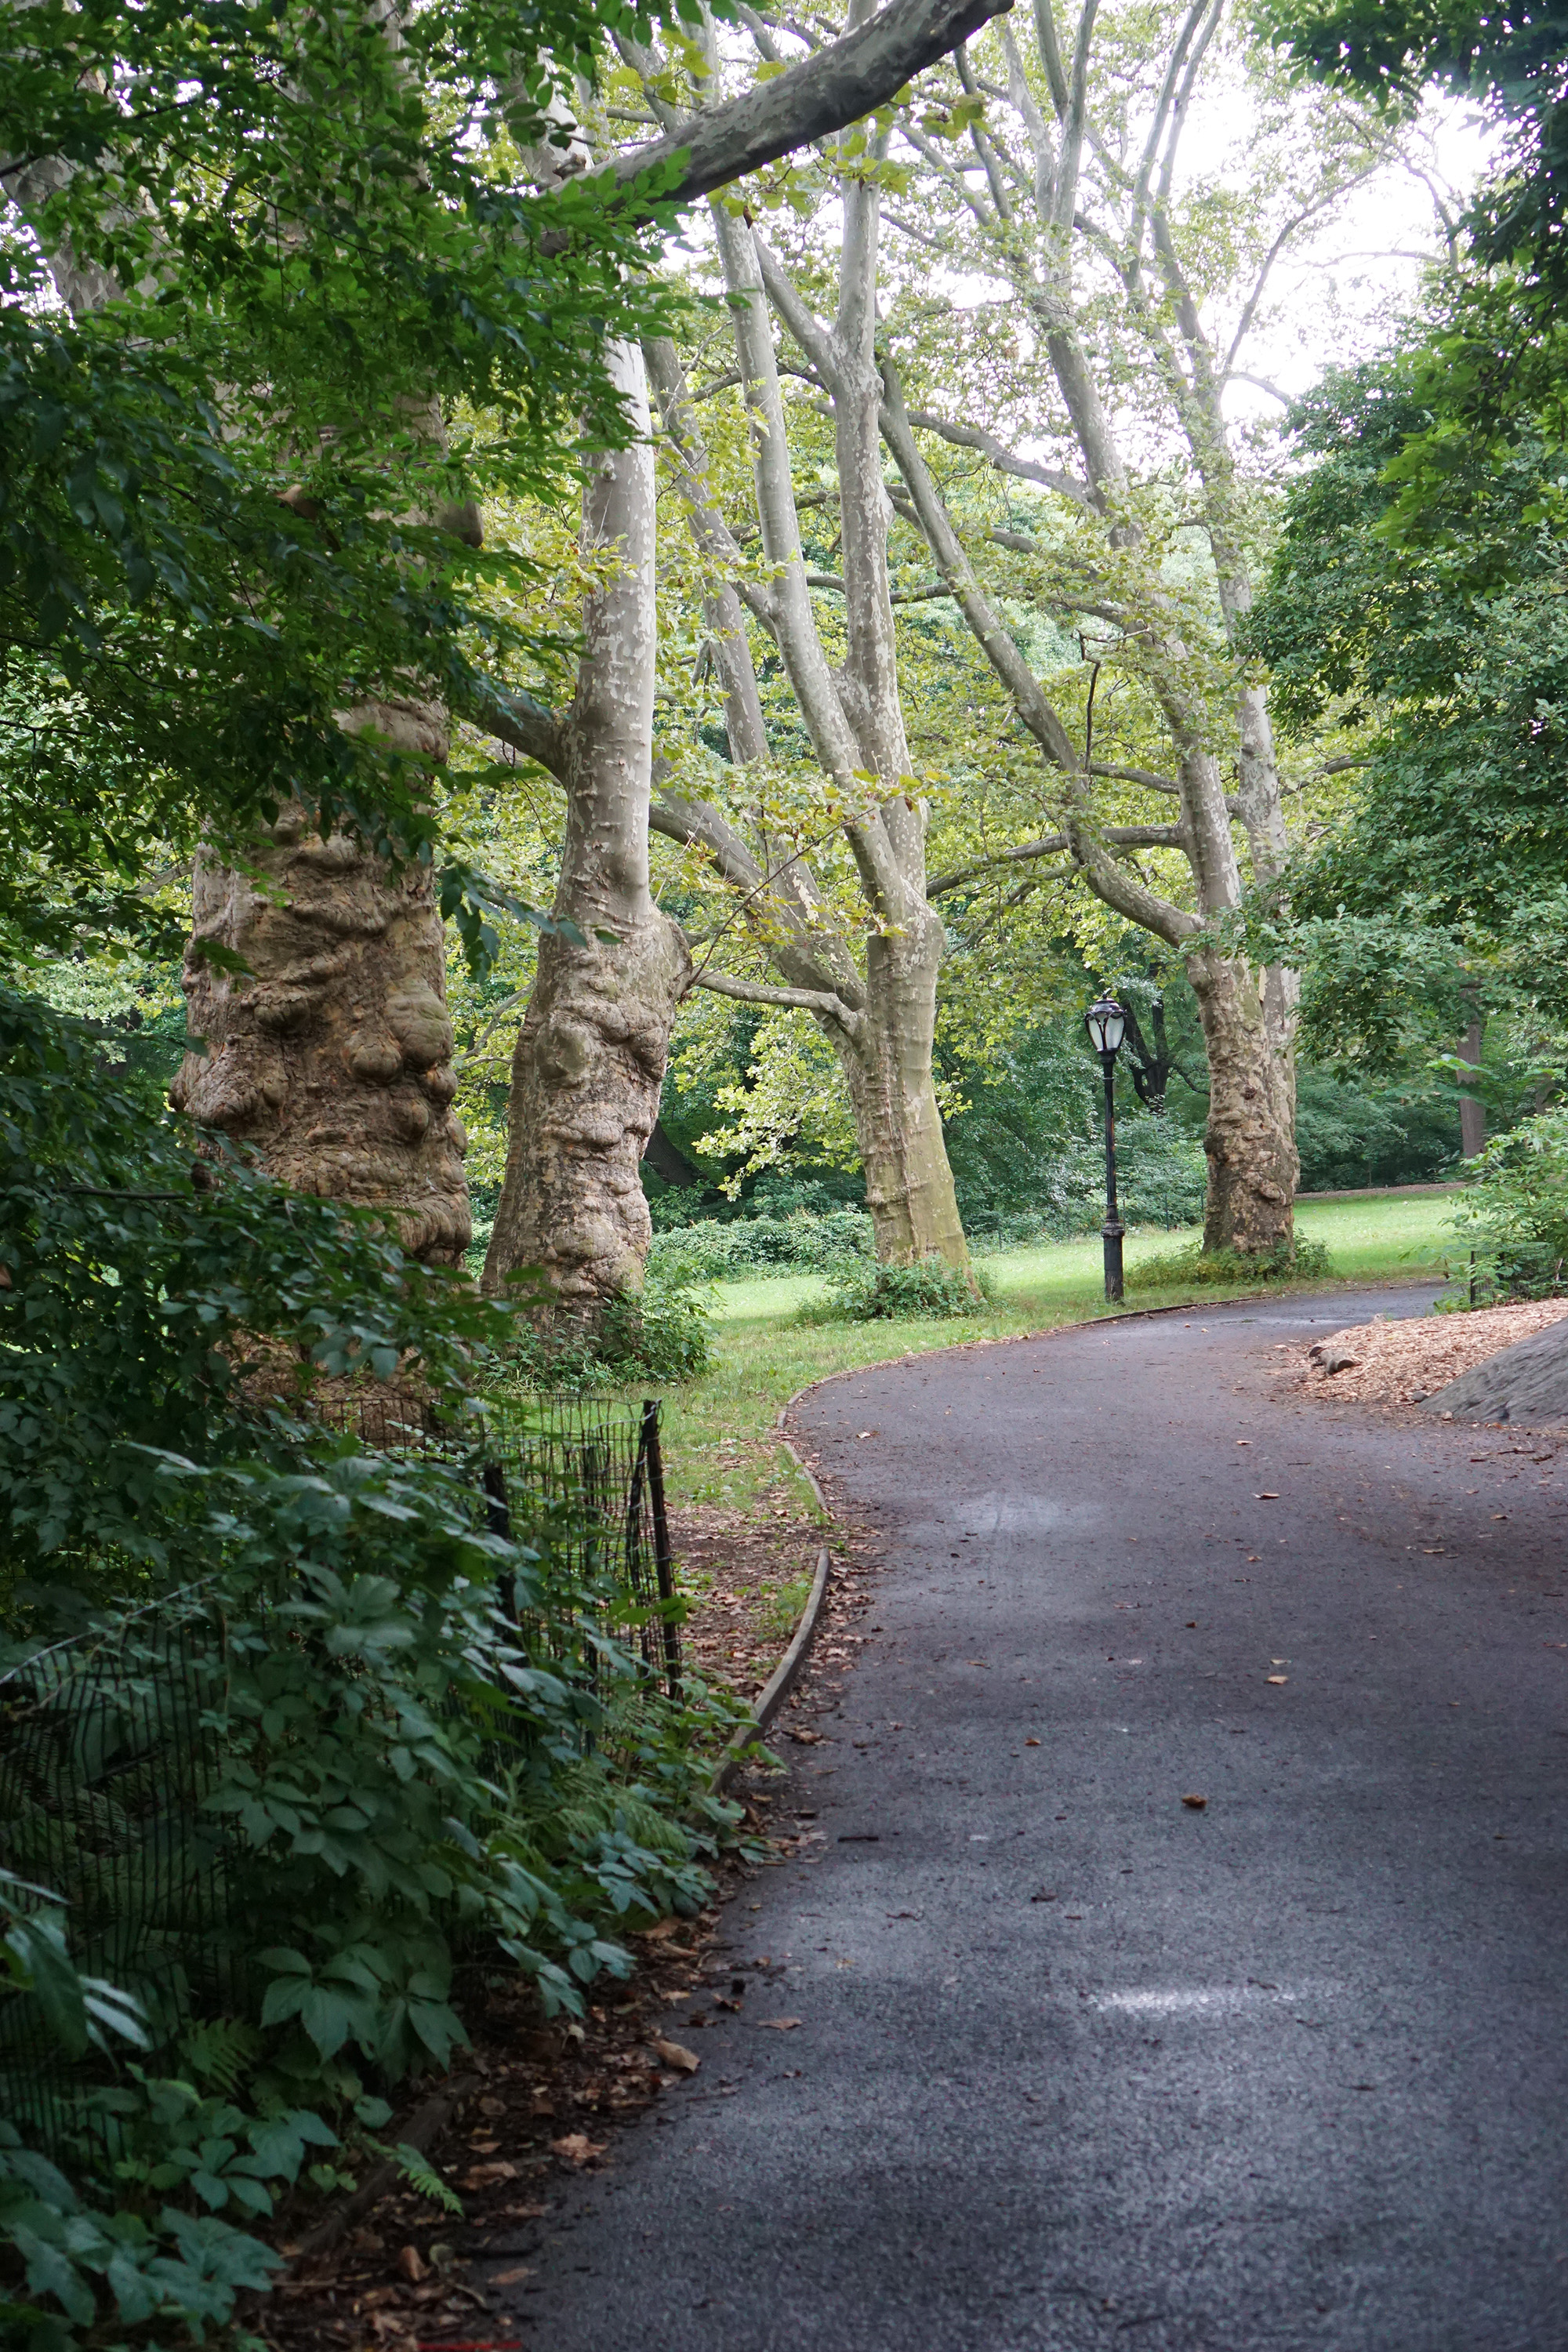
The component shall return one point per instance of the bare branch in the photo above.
(1056, 844)
(819, 1000)
(1025, 470)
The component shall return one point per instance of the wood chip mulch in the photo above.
(1399, 1363)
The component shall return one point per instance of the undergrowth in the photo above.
(929, 1290)
(1217, 1269)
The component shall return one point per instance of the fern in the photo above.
(220, 2053)
(423, 2178)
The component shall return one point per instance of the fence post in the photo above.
(497, 1520)
(663, 1562)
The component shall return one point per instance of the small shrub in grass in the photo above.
(1514, 1214)
(1223, 1269)
(929, 1290)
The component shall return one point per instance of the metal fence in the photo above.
(109, 1744)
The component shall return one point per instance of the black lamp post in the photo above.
(1107, 1025)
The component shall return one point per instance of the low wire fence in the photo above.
(110, 1743)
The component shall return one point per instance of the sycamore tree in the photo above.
(287, 305)
(1124, 275)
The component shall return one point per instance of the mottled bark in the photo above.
(887, 1066)
(1251, 1139)
(331, 1056)
(590, 1056)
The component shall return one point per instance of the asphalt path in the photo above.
(1080, 2065)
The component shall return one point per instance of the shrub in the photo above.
(752, 1246)
(931, 1290)
(662, 1333)
(1515, 1213)
(1182, 1268)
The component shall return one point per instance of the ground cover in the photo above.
(1403, 1363)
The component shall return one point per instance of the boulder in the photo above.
(1527, 1383)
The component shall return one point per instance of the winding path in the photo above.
(1081, 2065)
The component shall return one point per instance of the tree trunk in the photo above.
(1472, 1110)
(1250, 1135)
(331, 1056)
(888, 1068)
(591, 1054)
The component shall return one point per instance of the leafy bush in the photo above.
(1515, 1212)
(929, 1290)
(425, 1746)
(662, 1333)
(752, 1246)
(1194, 1266)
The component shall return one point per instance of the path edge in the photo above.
(785, 1674)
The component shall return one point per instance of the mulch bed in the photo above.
(1401, 1362)
(549, 2099)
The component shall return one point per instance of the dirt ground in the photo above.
(1404, 1362)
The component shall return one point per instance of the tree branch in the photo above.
(840, 85)
(515, 718)
(1056, 844)
(1025, 470)
(804, 1000)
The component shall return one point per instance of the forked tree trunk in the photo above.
(332, 1057)
(1251, 1139)
(590, 1056)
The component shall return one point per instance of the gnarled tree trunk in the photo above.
(887, 1069)
(332, 1057)
(590, 1056)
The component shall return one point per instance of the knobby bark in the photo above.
(331, 1057)
(590, 1056)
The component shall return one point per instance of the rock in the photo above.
(1526, 1382)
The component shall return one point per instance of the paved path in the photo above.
(1291, 2071)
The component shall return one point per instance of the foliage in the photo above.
(400, 1702)
(661, 1332)
(1226, 1269)
(1430, 635)
(78, 2255)
(1510, 57)
(710, 1252)
(1515, 1212)
(932, 1290)
(280, 233)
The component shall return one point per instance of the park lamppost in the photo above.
(1107, 1026)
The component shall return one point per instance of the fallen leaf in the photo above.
(524, 2212)
(865, 1432)
(1266, 1497)
(1276, 1678)
(808, 1738)
(1044, 1897)
(510, 2278)
(674, 2053)
(1031, 1743)
(780, 2024)
(485, 2176)
(1197, 1803)
(577, 2148)
(662, 1928)
(412, 2265)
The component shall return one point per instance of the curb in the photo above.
(782, 1679)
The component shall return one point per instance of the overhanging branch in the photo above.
(840, 85)
(820, 1001)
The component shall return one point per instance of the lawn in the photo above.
(719, 1430)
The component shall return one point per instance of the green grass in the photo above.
(718, 1428)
